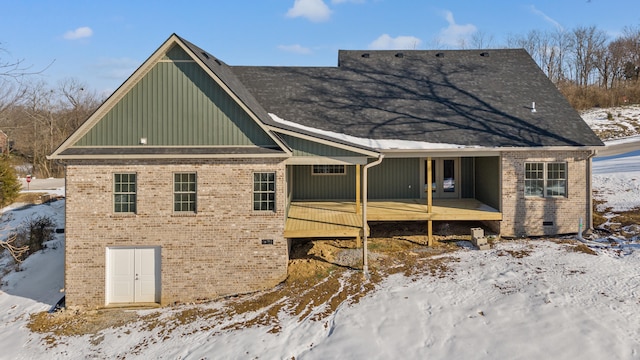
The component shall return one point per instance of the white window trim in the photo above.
(314, 173)
(275, 192)
(134, 193)
(195, 200)
(545, 179)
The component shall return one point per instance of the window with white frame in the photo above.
(328, 170)
(184, 192)
(545, 179)
(124, 193)
(264, 191)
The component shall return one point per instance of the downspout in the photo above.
(365, 263)
(589, 221)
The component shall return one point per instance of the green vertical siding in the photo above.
(302, 147)
(395, 179)
(323, 187)
(176, 53)
(176, 104)
(466, 178)
(488, 181)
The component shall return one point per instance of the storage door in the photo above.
(133, 275)
(146, 275)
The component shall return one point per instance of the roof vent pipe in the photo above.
(533, 107)
(365, 55)
(399, 55)
(440, 54)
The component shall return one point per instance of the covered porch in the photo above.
(462, 189)
(324, 219)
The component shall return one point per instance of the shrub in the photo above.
(33, 233)
(9, 184)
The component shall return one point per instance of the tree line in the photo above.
(38, 117)
(588, 67)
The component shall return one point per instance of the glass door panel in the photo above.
(444, 175)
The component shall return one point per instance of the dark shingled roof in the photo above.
(224, 72)
(466, 97)
(228, 76)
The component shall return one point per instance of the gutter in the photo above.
(365, 262)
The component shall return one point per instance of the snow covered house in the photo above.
(193, 177)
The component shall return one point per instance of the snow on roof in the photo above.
(380, 144)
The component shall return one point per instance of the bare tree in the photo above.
(77, 103)
(480, 40)
(39, 108)
(16, 251)
(587, 42)
(562, 44)
(603, 63)
(11, 88)
(45, 117)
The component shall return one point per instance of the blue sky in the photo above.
(102, 42)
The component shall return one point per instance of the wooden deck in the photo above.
(339, 218)
(322, 219)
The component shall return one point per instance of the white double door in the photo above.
(133, 275)
(444, 177)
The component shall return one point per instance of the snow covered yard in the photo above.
(613, 123)
(523, 299)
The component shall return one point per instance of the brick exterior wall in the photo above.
(215, 252)
(524, 216)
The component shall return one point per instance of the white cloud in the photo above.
(386, 42)
(546, 18)
(79, 33)
(314, 10)
(295, 48)
(345, 1)
(454, 34)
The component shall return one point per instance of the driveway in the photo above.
(42, 184)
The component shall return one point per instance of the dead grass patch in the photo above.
(581, 248)
(598, 217)
(29, 197)
(575, 246)
(73, 323)
(518, 254)
(627, 218)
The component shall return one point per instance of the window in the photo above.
(328, 170)
(184, 192)
(556, 179)
(545, 179)
(264, 191)
(124, 193)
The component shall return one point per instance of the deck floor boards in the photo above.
(339, 218)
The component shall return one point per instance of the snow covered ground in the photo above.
(616, 122)
(524, 299)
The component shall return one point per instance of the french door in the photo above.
(133, 275)
(444, 177)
